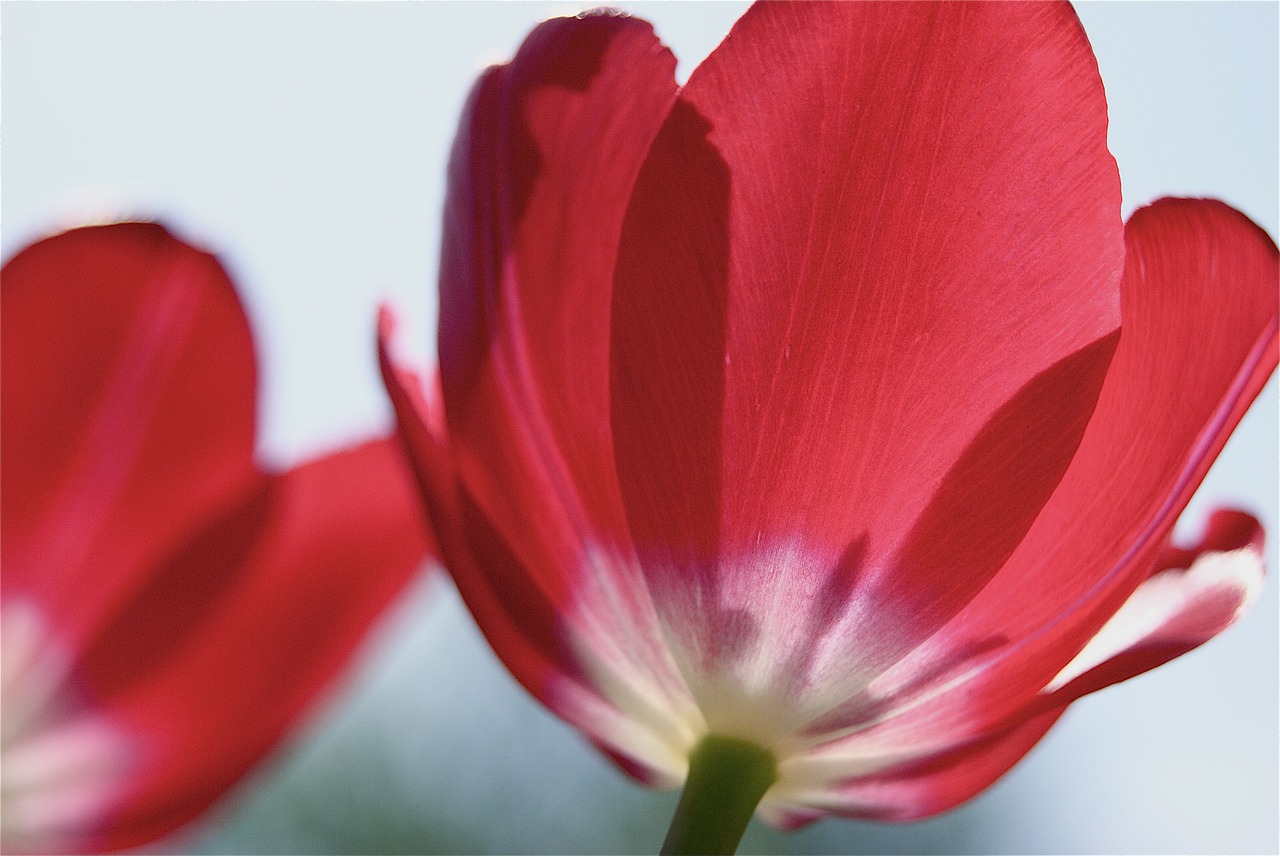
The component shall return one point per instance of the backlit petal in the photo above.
(919, 763)
(241, 629)
(129, 386)
(1200, 309)
(916, 788)
(866, 296)
(543, 651)
(538, 184)
(1193, 596)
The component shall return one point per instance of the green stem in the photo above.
(727, 778)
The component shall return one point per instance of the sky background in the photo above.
(306, 144)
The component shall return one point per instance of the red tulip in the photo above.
(826, 403)
(169, 608)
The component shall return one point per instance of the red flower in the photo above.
(826, 403)
(169, 609)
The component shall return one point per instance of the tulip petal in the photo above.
(235, 637)
(578, 680)
(518, 635)
(1199, 342)
(59, 782)
(539, 178)
(128, 384)
(840, 290)
(1193, 596)
(911, 767)
(918, 788)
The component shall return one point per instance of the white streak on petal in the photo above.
(1175, 605)
(62, 767)
(647, 713)
(756, 648)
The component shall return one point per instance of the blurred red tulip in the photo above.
(169, 608)
(826, 402)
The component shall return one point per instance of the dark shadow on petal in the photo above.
(493, 166)
(668, 350)
(833, 601)
(562, 52)
(513, 585)
(470, 252)
(182, 594)
(987, 501)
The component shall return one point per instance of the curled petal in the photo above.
(520, 626)
(420, 430)
(1199, 342)
(1193, 596)
(910, 768)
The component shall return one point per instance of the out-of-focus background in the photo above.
(306, 143)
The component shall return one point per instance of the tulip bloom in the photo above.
(819, 424)
(169, 608)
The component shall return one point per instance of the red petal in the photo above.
(836, 272)
(541, 171)
(922, 788)
(520, 635)
(526, 629)
(237, 634)
(1199, 342)
(128, 398)
(1194, 595)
